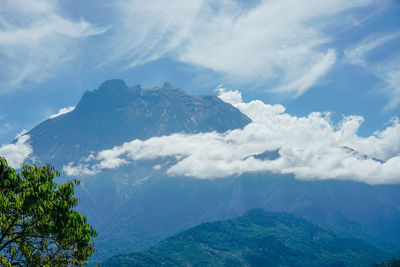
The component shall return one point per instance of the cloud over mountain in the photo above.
(16, 153)
(310, 147)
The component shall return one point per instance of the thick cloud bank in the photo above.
(310, 147)
(17, 153)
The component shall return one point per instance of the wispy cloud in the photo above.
(310, 147)
(358, 54)
(278, 41)
(35, 38)
(387, 68)
(5, 127)
(148, 30)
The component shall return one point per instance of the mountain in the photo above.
(258, 238)
(162, 206)
(115, 113)
(136, 206)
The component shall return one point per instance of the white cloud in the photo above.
(308, 79)
(79, 170)
(17, 153)
(147, 30)
(387, 68)
(35, 38)
(277, 40)
(6, 127)
(62, 111)
(357, 54)
(311, 147)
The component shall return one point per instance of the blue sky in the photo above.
(337, 56)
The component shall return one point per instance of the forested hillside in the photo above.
(258, 238)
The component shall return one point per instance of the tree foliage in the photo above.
(38, 226)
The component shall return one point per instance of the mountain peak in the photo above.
(110, 95)
(166, 89)
(117, 88)
(168, 85)
(112, 85)
(115, 113)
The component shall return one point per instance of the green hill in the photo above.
(389, 263)
(258, 238)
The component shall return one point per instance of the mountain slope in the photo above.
(137, 205)
(162, 206)
(258, 238)
(115, 113)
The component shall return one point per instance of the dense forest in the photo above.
(258, 238)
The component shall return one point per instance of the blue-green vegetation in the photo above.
(389, 263)
(258, 238)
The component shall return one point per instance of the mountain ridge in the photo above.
(115, 113)
(257, 238)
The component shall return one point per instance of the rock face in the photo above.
(116, 113)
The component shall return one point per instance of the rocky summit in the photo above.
(116, 113)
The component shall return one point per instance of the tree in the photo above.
(38, 226)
